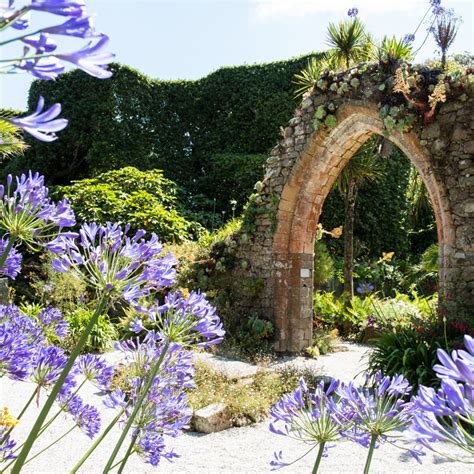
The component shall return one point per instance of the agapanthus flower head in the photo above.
(365, 288)
(409, 38)
(111, 262)
(447, 414)
(306, 415)
(72, 8)
(164, 411)
(372, 411)
(12, 266)
(52, 323)
(48, 363)
(16, 353)
(92, 58)
(85, 416)
(42, 125)
(95, 369)
(28, 215)
(188, 321)
(353, 12)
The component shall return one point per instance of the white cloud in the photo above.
(265, 10)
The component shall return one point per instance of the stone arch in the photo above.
(302, 168)
(301, 203)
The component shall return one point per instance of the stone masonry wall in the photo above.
(341, 113)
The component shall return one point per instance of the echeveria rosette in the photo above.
(306, 416)
(42, 125)
(374, 414)
(28, 215)
(186, 321)
(114, 264)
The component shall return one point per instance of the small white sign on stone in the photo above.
(305, 273)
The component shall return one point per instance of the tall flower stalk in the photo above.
(116, 266)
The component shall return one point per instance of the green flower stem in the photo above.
(50, 421)
(373, 440)
(18, 38)
(33, 56)
(153, 371)
(5, 24)
(52, 444)
(97, 442)
(319, 457)
(57, 386)
(22, 412)
(6, 252)
(128, 453)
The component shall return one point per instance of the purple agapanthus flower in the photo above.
(52, 323)
(82, 27)
(447, 414)
(372, 413)
(105, 258)
(72, 8)
(409, 38)
(28, 215)
(16, 352)
(85, 416)
(12, 266)
(188, 321)
(460, 365)
(42, 125)
(45, 68)
(7, 445)
(91, 58)
(42, 43)
(353, 12)
(95, 369)
(164, 411)
(306, 416)
(48, 363)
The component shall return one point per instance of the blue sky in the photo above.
(187, 39)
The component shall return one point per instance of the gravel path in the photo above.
(244, 450)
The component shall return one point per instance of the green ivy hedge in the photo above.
(210, 136)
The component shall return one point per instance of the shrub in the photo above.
(144, 199)
(60, 290)
(101, 337)
(247, 402)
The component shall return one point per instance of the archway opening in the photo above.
(300, 209)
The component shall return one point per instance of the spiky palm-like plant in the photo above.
(392, 50)
(349, 42)
(11, 142)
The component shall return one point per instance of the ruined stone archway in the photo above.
(303, 167)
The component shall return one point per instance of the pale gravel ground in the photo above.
(244, 450)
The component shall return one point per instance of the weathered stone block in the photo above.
(213, 418)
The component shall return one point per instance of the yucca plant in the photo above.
(309, 76)
(392, 50)
(349, 42)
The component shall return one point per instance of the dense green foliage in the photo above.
(144, 199)
(210, 136)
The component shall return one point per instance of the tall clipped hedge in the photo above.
(210, 136)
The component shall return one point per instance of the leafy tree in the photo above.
(363, 167)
